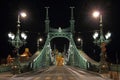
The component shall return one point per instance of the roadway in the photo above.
(57, 73)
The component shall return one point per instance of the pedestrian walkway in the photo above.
(6, 74)
(112, 74)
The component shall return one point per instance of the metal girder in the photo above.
(75, 57)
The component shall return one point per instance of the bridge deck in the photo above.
(58, 73)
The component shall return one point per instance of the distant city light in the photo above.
(78, 39)
(40, 39)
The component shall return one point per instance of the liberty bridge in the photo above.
(76, 66)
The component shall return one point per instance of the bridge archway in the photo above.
(59, 47)
(59, 43)
(75, 56)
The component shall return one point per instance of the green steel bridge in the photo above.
(44, 57)
(77, 60)
(76, 57)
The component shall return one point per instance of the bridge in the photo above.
(75, 56)
(75, 63)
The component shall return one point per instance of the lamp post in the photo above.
(38, 43)
(17, 40)
(81, 42)
(101, 41)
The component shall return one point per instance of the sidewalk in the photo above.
(112, 75)
(6, 74)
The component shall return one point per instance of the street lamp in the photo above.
(81, 44)
(38, 42)
(18, 39)
(101, 41)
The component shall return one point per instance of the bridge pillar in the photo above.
(47, 21)
(72, 21)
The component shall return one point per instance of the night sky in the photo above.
(59, 14)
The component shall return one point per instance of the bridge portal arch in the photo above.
(75, 57)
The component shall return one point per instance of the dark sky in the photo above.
(59, 14)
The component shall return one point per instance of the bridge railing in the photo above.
(115, 67)
(43, 58)
(79, 58)
(4, 68)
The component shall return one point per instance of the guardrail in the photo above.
(115, 67)
(5, 68)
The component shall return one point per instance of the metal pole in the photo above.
(18, 21)
(17, 43)
(81, 44)
(103, 63)
(18, 36)
(38, 44)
